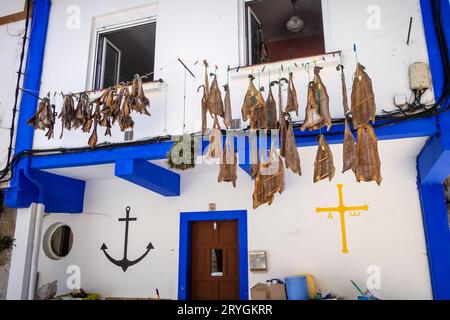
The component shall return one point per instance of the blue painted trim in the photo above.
(186, 218)
(155, 151)
(433, 164)
(149, 176)
(437, 235)
(59, 194)
(434, 52)
(33, 73)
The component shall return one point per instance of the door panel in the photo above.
(214, 260)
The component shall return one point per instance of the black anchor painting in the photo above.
(125, 263)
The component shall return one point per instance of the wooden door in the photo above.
(214, 260)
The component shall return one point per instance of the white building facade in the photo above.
(388, 242)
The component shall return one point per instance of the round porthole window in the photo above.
(58, 241)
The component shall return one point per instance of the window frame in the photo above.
(116, 21)
(106, 43)
(243, 34)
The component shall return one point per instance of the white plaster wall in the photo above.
(10, 49)
(296, 239)
(209, 29)
(11, 6)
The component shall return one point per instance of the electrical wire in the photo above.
(5, 171)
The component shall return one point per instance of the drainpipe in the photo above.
(33, 73)
(28, 106)
(37, 230)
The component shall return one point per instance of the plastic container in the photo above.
(297, 288)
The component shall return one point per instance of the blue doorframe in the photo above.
(186, 218)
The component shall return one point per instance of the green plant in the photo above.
(6, 243)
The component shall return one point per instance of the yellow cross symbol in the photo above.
(342, 209)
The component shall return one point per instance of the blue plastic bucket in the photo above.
(297, 288)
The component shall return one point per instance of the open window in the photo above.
(283, 29)
(124, 52)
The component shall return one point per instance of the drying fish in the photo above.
(215, 103)
(254, 156)
(313, 119)
(250, 100)
(228, 117)
(125, 120)
(368, 164)
(363, 99)
(139, 102)
(88, 118)
(344, 91)
(271, 110)
(292, 158)
(324, 166)
(204, 108)
(83, 103)
(228, 165)
(258, 113)
(349, 153)
(322, 98)
(292, 99)
(67, 114)
(205, 87)
(215, 141)
(270, 180)
(94, 137)
(282, 124)
(45, 117)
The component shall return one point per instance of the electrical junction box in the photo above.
(420, 76)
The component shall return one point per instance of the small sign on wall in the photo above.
(258, 261)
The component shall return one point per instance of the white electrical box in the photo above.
(420, 76)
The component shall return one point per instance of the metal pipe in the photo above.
(37, 234)
(33, 73)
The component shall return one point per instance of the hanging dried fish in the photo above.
(363, 99)
(282, 124)
(368, 164)
(254, 156)
(292, 99)
(88, 117)
(44, 119)
(292, 158)
(228, 165)
(80, 117)
(313, 119)
(349, 153)
(67, 114)
(125, 120)
(250, 100)
(271, 109)
(139, 102)
(215, 141)
(215, 103)
(94, 137)
(322, 99)
(270, 180)
(323, 166)
(258, 113)
(204, 108)
(228, 116)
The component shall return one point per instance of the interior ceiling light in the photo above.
(295, 24)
